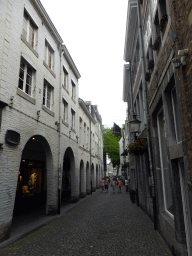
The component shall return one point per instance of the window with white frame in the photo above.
(165, 171)
(173, 120)
(47, 95)
(26, 77)
(73, 90)
(65, 111)
(65, 78)
(72, 119)
(49, 55)
(29, 30)
(87, 137)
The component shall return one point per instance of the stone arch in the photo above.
(69, 185)
(93, 180)
(97, 177)
(35, 177)
(82, 180)
(88, 179)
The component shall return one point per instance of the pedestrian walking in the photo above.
(102, 184)
(119, 185)
(106, 184)
(126, 185)
(113, 184)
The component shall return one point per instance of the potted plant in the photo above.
(137, 147)
(163, 23)
(156, 44)
(132, 195)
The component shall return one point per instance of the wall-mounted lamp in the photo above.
(135, 125)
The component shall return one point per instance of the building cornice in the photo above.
(70, 61)
(45, 18)
(83, 106)
(130, 28)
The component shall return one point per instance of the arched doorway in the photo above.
(82, 180)
(93, 185)
(97, 177)
(68, 176)
(32, 191)
(88, 180)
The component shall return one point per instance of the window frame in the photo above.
(73, 119)
(25, 70)
(65, 111)
(46, 86)
(73, 93)
(49, 56)
(28, 23)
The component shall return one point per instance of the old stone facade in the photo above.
(157, 87)
(40, 162)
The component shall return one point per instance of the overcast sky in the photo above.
(94, 33)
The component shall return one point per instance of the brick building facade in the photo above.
(159, 70)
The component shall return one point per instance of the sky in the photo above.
(94, 34)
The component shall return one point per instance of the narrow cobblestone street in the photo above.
(103, 224)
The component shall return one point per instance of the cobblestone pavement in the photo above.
(103, 224)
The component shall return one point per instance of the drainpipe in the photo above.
(147, 115)
(59, 130)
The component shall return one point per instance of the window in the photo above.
(72, 119)
(85, 135)
(26, 76)
(73, 91)
(49, 55)
(29, 30)
(65, 111)
(176, 115)
(65, 80)
(47, 94)
(165, 172)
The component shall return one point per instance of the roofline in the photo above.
(129, 40)
(82, 104)
(70, 61)
(45, 17)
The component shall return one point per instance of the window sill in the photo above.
(66, 124)
(51, 113)
(52, 73)
(65, 89)
(29, 46)
(73, 130)
(26, 96)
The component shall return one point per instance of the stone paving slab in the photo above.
(103, 224)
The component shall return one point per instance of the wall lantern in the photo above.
(135, 124)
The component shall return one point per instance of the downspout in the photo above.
(136, 158)
(59, 130)
(147, 115)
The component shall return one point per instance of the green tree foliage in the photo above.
(111, 145)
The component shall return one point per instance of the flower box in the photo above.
(137, 147)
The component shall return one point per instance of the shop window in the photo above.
(29, 32)
(47, 95)
(26, 77)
